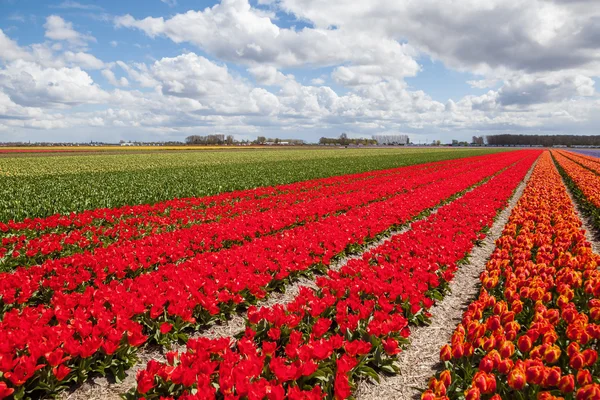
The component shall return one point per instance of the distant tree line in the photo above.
(278, 141)
(344, 140)
(543, 140)
(209, 140)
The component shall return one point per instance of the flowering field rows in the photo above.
(42, 185)
(82, 293)
(533, 332)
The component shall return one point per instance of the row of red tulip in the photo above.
(22, 245)
(347, 329)
(533, 332)
(39, 284)
(45, 347)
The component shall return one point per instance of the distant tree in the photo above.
(261, 140)
(344, 139)
(229, 139)
(477, 140)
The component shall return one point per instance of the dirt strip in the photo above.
(101, 388)
(422, 357)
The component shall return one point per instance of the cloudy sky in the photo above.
(164, 69)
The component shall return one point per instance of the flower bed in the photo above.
(533, 331)
(33, 241)
(349, 328)
(98, 328)
(39, 284)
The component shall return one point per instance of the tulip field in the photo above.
(93, 279)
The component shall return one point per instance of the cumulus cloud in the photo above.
(196, 77)
(538, 35)
(83, 60)
(112, 79)
(528, 89)
(10, 50)
(69, 4)
(234, 31)
(61, 30)
(537, 60)
(30, 85)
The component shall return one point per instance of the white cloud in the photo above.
(194, 77)
(69, 4)
(170, 3)
(112, 79)
(537, 60)
(483, 83)
(30, 85)
(84, 60)
(234, 31)
(59, 29)
(10, 50)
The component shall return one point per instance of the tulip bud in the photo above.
(552, 377)
(438, 387)
(590, 356)
(480, 382)
(589, 392)
(486, 364)
(524, 344)
(458, 351)
(535, 374)
(507, 349)
(493, 323)
(573, 348)
(469, 350)
(446, 378)
(566, 384)
(428, 395)
(511, 335)
(517, 379)
(490, 383)
(550, 337)
(489, 343)
(473, 394)
(505, 366)
(552, 355)
(562, 301)
(495, 357)
(577, 361)
(516, 306)
(446, 353)
(584, 377)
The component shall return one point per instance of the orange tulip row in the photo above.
(580, 170)
(534, 330)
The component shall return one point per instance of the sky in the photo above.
(161, 70)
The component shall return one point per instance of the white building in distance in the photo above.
(390, 139)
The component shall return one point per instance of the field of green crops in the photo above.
(38, 186)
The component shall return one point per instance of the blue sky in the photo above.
(162, 70)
